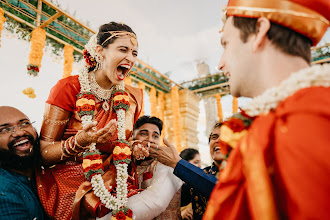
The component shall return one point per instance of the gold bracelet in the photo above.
(72, 145)
(63, 149)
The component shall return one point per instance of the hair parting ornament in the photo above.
(121, 34)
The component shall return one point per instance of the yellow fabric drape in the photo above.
(128, 80)
(2, 20)
(142, 86)
(68, 60)
(235, 104)
(176, 117)
(37, 45)
(219, 107)
(161, 109)
(153, 101)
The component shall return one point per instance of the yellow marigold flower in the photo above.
(86, 163)
(120, 97)
(230, 137)
(127, 151)
(96, 162)
(82, 101)
(117, 150)
(91, 102)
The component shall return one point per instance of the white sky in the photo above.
(174, 35)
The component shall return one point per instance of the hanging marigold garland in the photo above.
(29, 92)
(37, 45)
(153, 101)
(235, 104)
(68, 60)
(219, 107)
(160, 113)
(142, 86)
(2, 20)
(176, 117)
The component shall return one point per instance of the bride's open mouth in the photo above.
(122, 71)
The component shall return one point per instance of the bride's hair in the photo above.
(105, 29)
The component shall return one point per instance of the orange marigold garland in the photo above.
(235, 128)
(219, 107)
(85, 104)
(68, 60)
(2, 20)
(161, 108)
(142, 86)
(176, 116)
(122, 152)
(153, 100)
(37, 45)
(235, 104)
(92, 164)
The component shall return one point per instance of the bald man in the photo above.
(19, 154)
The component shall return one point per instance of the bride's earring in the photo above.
(99, 60)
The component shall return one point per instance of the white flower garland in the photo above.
(318, 75)
(111, 202)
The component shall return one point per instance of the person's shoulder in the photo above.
(8, 181)
(70, 80)
(136, 93)
(311, 99)
(133, 90)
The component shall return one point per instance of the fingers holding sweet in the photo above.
(140, 149)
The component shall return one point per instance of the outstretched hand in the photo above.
(91, 135)
(165, 154)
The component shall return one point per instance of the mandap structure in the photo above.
(177, 105)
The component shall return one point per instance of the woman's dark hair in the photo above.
(104, 34)
(188, 154)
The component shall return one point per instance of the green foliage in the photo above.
(207, 81)
(321, 53)
(23, 31)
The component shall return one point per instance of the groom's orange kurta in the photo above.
(281, 169)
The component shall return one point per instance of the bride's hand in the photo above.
(140, 149)
(91, 135)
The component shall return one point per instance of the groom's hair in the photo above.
(151, 120)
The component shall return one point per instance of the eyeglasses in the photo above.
(22, 125)
(214, 136)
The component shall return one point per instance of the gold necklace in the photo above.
(100, 93)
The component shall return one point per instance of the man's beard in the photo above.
(10, 160)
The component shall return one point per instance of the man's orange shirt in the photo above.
(281, 169)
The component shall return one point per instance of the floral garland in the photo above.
(2, 20)
(236, 127)
(37, 45)
(176, 117)
(92, 162)
(68, 60)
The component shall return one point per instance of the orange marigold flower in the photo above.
(86, 107)
(120, 216)
(122, 156)
(129, 213)
(235, 124)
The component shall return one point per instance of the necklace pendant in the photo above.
(105, 106)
